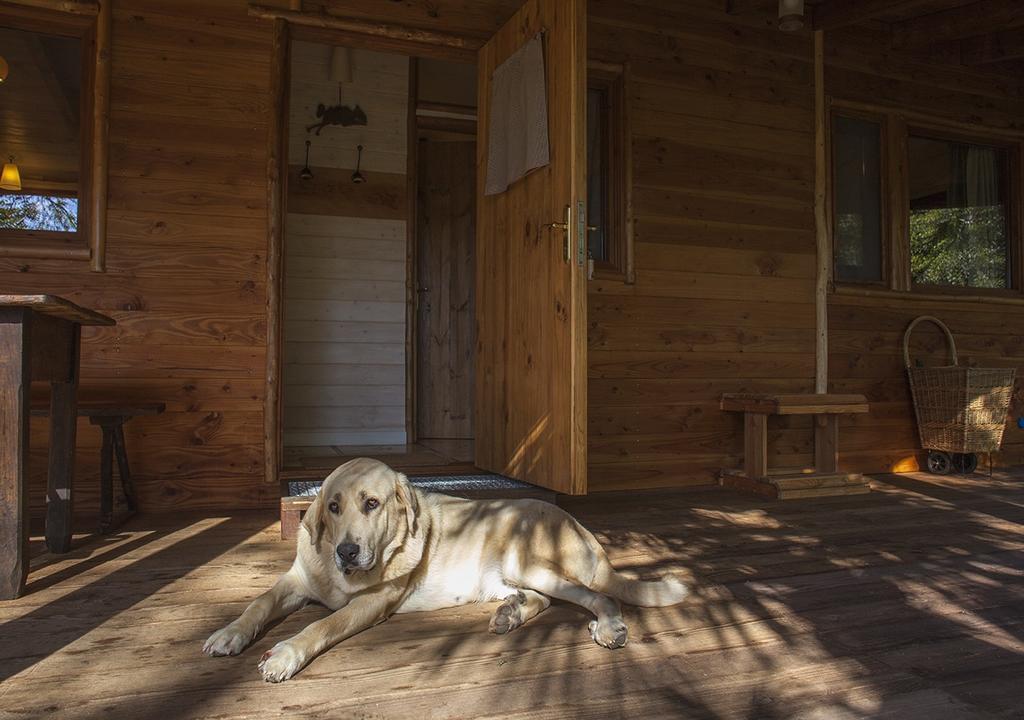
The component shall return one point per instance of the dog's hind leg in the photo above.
(517, 609)
(609, 630)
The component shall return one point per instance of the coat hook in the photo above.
(306, 173)
(357, 177)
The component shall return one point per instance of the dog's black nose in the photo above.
(348, 551)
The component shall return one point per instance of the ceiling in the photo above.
(980, 33)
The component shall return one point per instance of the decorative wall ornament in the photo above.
(337, 115)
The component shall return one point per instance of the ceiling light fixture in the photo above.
(791, 15)
(10, 178)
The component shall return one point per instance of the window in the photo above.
(921, 207)
(609, 237)
(51, 104)
(857, 197)
(958, 214)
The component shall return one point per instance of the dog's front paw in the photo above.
(229, 640)
(281, 662)
(609, 632)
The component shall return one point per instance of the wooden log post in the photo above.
(100, 138)
(276, 187)
(824, 245)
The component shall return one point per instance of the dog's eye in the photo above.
(333, 507)
(372, 503)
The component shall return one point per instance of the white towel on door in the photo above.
(518, 129)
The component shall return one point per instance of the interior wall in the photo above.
(345, 256)
(186, 261)
(865, 333)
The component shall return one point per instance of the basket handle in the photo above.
(942, 326)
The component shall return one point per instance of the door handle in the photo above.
(565, 227)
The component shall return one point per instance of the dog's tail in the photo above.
(657, 593)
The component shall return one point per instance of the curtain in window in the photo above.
(975, 176)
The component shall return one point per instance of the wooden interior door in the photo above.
(531, 363)
(445, 270)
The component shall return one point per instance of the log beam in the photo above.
(463, 46)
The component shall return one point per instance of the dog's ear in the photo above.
(313, 521)
(408, 499)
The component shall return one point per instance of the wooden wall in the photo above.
(865, 332)
(186, 259)
(723, 167)
(345, 256)
(722, 113)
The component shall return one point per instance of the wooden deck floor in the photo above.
(908, 603)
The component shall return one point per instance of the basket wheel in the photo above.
(965, 463)
(939, 463)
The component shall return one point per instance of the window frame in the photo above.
(83, 243)
(614, 79)
(1010, 192)
(885, 227)
(896, 130)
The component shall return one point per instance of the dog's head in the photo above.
(363, 508)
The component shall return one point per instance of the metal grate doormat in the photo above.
(434, 483)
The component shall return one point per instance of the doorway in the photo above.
(444, 258)
(379, 274)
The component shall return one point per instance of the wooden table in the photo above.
(40, 337)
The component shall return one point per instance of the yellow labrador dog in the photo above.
(372, 545)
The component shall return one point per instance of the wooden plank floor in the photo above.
(907, 603)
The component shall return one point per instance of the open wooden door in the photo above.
(531, 371)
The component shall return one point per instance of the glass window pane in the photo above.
(858, 199)
(958, 218)
(40, 105)
(38, 212)
(597, 172)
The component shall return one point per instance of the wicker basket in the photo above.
(959, 409)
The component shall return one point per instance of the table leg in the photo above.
(15, 380)
(755, 446)
(107, 479)
(63, 429)
(122, 465)
(826, 443)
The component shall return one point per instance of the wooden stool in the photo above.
(110, 418)
(825, 479)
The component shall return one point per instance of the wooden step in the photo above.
(813, 481)
(823, 492)
(797, 485)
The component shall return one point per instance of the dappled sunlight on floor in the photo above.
(905, 603)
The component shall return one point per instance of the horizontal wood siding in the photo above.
(186, 264)
(345, 256)
(723, 171)
(866, 332)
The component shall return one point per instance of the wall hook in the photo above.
(357, 177)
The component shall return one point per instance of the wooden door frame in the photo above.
(381, 37)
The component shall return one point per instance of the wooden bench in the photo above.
(825, 479)
(111, 417)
